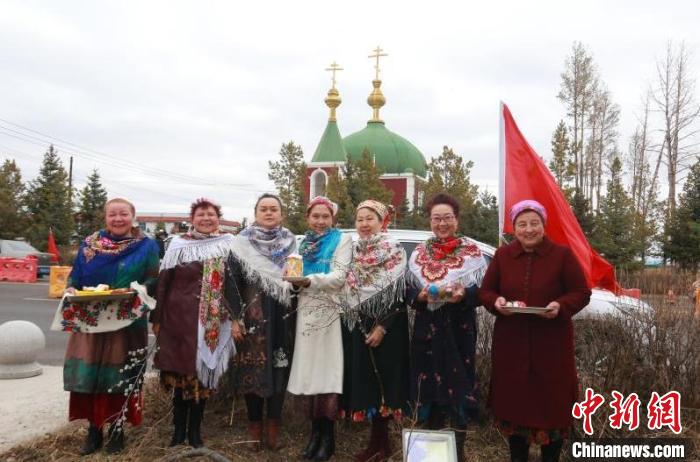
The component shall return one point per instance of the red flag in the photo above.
(52, 248)
(525, 176)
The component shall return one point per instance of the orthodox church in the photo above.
(403, 164)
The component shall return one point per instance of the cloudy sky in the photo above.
(172, 100)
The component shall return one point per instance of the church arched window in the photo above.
(319, 180)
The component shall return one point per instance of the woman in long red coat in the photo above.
(533, 377)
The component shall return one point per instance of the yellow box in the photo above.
(58, 277)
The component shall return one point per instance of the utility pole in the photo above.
(70, 181)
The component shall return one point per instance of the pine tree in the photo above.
(363, 180)
(561, 165)
(48, 203)
(337, 191)
(684, 238)
(449, 173)
(12, 216)
(288, 175)
(582, 210)
(91, 204)
(614, 236)
(484, 225)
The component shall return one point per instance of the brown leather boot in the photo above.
(378, 442)
(272, 431)
(255, 436)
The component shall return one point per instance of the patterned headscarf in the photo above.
(528, 205)
(323, 200)
(382, 210)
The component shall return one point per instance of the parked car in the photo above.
(22, 249)
(603, 302)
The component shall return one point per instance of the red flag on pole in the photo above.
(523, 175)
(52, 248)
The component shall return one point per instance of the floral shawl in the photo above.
(442, 263)
(215, 345)
(275, 244)
(375, 279)
(261, 254)
(317, 251)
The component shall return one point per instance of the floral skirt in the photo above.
(533, 435)
(190, 385)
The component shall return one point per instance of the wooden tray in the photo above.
(100, 297)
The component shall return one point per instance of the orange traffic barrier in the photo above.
(58, 278)
(18, 269)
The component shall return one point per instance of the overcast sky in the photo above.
(175, 100)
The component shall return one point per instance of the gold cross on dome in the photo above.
(334, 67)
(377, 53)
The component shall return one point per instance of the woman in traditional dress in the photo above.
(445, 271)
(94, 365)
(262, 325)
(192, 320)
(533, 369)
(317, 369)
(375, 333)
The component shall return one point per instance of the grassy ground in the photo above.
(658, 351)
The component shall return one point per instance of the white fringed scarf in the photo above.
(261, 270)
(215, 345)
(465, 266)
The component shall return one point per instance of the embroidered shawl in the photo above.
(457, 261)
(259, 264)
(275, 244)
(375, 279)
(95, 317)
(215, 345)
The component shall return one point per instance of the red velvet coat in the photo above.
(533, 376)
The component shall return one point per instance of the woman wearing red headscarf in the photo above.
(533, 375)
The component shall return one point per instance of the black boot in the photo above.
(115, 439)
(180, 407)
(93, 441)
(194, 426)
(327, 447)
(519, 449)
(551, 451)
(314, 440)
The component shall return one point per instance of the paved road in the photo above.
(29, 302)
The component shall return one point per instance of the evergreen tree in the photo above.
(484, 224)
(288, 175)
(614, 236)
(91, 204)
(12, 216)
(362, 176)
(582, 210)
(684, 238)
(48, 203)
(337, 191)
(449, 173)
(561, 165)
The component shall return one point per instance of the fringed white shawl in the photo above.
(213, 358)
(260, 270)
(183, 250)
(466, 266)
(375, 279)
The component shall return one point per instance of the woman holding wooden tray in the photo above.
(94, 364)
(533, 377)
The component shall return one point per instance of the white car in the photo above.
(602, 303)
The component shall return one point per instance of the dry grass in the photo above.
(658, 351)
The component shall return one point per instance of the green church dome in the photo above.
(391, 152)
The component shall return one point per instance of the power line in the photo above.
(95, 155)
